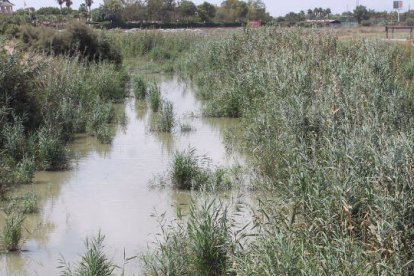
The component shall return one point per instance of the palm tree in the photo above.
(89, 4)
(69, 3)
(60, 2)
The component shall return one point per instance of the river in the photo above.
(107, 188)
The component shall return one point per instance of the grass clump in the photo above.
(94, 262)
(12, 231)
(154, 97)
(140, 88)
(52, 151)
(185, 127)
(26, 204)
(202, 245)
(164, 121)
(190, 171)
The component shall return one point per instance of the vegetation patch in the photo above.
(204, 243)
(12, 231)
(93, 262)
(164, 120)
(154, 97)
(190, 171)
(140, 88)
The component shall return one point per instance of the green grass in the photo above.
(12, 232)
(26, 204)
(202, 244)
(164, 120)
(154, 97)
(45, 102)
(190, 171)
(93, 262)
(140, 88)
(328, 129)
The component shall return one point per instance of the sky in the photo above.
(275, 7)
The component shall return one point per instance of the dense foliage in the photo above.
(329, 128)
(77, 40)
(43, 102)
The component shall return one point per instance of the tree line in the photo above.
(171, 11)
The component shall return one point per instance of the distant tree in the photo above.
(89, 3)
(60, 2)
(48, 11)
(328, 12)
(187, 8)
(83, 10)
(257, 11)
(234, 10)
(161, 10)
(206, 11)
(134, 11)
(311, 14)
(68, 4)
(361, 13)
(293, 18)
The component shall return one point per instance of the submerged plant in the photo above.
(26, 204)
(186, 127)
(140, 88)
(154, 97)
(188, 169)
(164, 121)
(94, 262)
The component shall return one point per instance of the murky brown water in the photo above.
(107, 189)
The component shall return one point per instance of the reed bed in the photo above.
(44, 101)
(329, 131)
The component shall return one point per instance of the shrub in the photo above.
(77, 39)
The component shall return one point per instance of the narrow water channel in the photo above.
(107, 188)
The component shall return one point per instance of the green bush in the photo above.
(77, 40)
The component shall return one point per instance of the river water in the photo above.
(107, 188)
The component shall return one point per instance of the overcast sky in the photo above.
(275, 7)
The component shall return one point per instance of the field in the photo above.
(323, 129)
